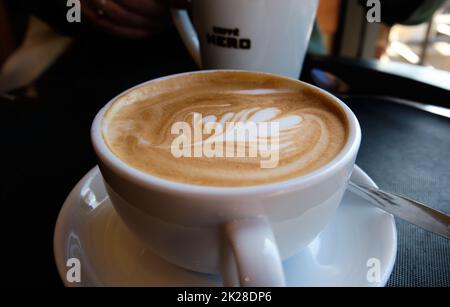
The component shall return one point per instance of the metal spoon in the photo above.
(340, 88)
(407, 209)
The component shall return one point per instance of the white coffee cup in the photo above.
(243, 233)
(260, 35)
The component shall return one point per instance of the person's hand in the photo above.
(131, 18)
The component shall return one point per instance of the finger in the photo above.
(120, 15)
(110, 27)
(152, 8)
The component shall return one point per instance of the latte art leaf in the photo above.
(249, 134)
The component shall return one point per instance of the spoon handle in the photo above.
(407, 209)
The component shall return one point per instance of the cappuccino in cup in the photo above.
(166, 129)
(226, 172)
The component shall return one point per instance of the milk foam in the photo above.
(312, 130)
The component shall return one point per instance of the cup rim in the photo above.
(109, 159)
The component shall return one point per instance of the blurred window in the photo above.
(425, 44)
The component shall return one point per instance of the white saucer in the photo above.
(89, 229)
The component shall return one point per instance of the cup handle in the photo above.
(187, 32)
(254, 260)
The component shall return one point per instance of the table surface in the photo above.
(46, 148)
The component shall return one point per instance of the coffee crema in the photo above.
(312, 128)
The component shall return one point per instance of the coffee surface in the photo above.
(311, 128)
